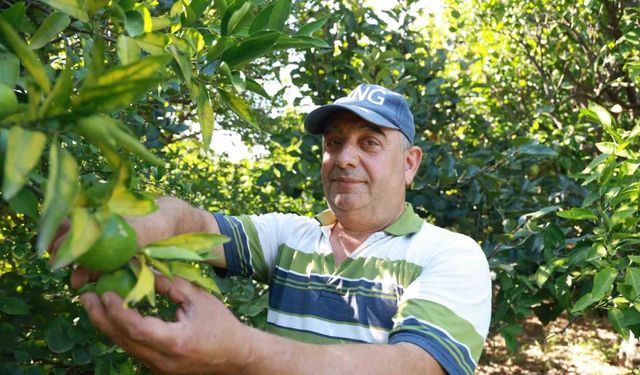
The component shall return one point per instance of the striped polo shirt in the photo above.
(411, 282)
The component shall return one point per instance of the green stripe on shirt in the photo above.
(438, 315)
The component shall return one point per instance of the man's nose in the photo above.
(347, 156)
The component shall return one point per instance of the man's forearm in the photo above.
(269, 354)
(174, 217)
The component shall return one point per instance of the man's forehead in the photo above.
(345, 121)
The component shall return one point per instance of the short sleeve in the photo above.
(254, 242)
(447, 309)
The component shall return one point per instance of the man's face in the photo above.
(364, 167)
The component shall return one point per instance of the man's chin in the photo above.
(346, 203)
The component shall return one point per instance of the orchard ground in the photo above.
(586, 347)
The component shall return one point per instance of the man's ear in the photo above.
(412, 159)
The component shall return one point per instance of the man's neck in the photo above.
(351, 231)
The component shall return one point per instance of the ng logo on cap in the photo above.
(371, 94)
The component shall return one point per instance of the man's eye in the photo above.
(371, 142)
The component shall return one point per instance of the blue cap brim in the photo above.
(316, 120)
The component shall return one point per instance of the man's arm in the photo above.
(271, 354)
(207, 338)
(174, 217)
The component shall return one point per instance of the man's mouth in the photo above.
(347, 180)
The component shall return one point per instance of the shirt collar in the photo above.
(407, 223)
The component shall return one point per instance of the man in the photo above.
(370, 289)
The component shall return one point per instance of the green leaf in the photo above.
(193, 274)
(578, 214)
(195, 242)
(126, 202)
(61, 189)
(635, 259)
(255, 87)
(607, 147)
(134, 23)
(603, 282)
(536, 149)
(250, 49)
(510, 333)
(205, 116)
(233, 15)
(128, 50)
(9, 69)
(183, 63)
(58, 336)
(145, 286)
(194, 38)
(603, 115)
(261, 21)
(542, 274)
(632, 277)
(216, 50)
(51, 26)
(93, 6)
(162, 267)
(159, 23)
(280, 14)
(597, 161)
(199, 6)
(312, 27)
(108, 133)
(583, 302)
(28, 58)
(537, 214)
(25, 202)
(220, 5)
(15, 14)
(631, 317)
(299, 42)
(131, 144)
(153, 43)
(24, 148)
(608, 123)
(172, 253)
(83, 233)
(238, 106)
(13, 306)
(615, 318)
(239, 82)
(58, 100)
(71, 7)
(627, 291)
(121, 86)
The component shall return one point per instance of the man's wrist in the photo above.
(242, 356)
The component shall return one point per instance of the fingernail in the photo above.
(106, 299)
(86, 302)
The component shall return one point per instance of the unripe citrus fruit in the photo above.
(120, 282)
(113, 249)
(8, 101)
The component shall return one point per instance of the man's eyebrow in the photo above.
(332, 128)
(374, 128)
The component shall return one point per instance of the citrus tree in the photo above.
(85, 89)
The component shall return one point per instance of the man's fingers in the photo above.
(81, 276)
(148, 331)
(101, 318)
(179, 290)
(97, 313)
(58, 238)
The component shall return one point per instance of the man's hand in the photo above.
(205, 337)
(172, 218)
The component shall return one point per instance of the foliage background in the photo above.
(527, 113)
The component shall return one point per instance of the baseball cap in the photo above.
(373, 103)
